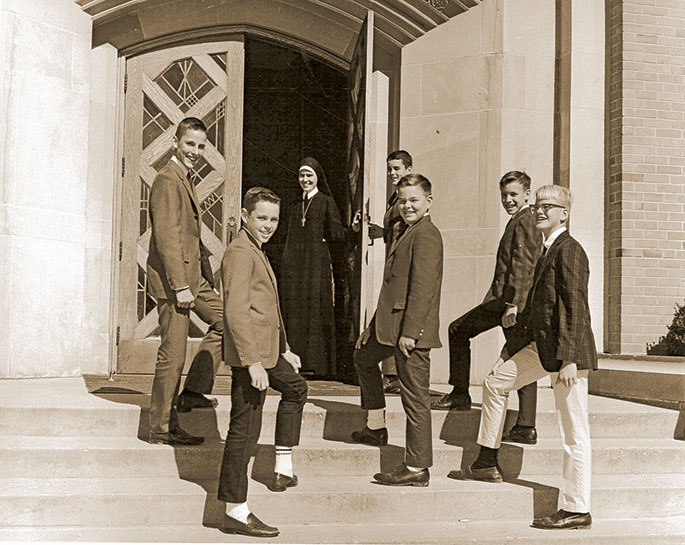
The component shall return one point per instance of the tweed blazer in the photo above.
(519, 250)
(558, 311)
(177, 257)
(253, 324)
(409, 302)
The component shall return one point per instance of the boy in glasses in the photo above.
(561, 344)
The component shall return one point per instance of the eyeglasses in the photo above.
(545, 207)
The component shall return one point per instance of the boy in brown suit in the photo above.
(405, 325)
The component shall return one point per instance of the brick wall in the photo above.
(645, 202)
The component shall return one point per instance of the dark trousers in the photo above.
(246, 423)
(414, 377)
(477, 320)
(171, 356)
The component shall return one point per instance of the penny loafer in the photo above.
(187, 402)
(176, 437)
(485, 474)
(403, 476)
(520, 434)
(253, 527)
(282, 482)
(450, 402)
(564, 520)
(375, 438)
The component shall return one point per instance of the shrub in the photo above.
(673, 343)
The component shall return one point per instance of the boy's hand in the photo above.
(357, 221)
(258, 377)
(406, 345)
(293, 359)
(509, 316)
(375, 231)
(363, 338)
(568, 374)
(185, 298)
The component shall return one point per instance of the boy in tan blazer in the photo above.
(405, 325)
(256, 348)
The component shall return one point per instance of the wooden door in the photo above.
(162, 88)
(359, 170)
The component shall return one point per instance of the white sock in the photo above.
(375, 419)
(414, 469)
(284, 461)
(238, 511)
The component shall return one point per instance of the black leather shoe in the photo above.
(564, 520)
(280, 482)
(485, 474)
(520, 434)
(187, 402)
(254, 527)
(403, 476)
(391, 384)
(176, 437)
(375, 438)
(458, 402)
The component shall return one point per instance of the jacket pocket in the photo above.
(263, 336)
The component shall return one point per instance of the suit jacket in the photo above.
(519, 250)
(559, 315)
(409, 302)
(177, 257)
(391, 221)
(253, 324)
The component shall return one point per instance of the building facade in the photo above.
(584, 93)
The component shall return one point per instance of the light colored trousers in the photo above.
(571, 406)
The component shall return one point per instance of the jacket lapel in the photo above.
(547, 257)
(406, 233)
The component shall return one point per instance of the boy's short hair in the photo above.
(416, 179)
(190, 124)
(259, 194)
(557, 193)
(515, 176)
(401, 155)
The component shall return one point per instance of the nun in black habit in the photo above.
(306, 274)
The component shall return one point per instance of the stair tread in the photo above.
(323, 484)
(631, 531)
(127, 442)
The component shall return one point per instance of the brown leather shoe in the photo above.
(391, 384)
(281, 482)
(254, 527)
(564, 520)
(176, 437)
(485, 474)
(451, 401)
(520, 434)
(375, 438)
(403, 476)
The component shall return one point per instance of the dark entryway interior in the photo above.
(295, 106)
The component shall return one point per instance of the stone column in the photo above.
(45, 62)
(477, 100)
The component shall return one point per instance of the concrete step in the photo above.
(24, 456)
(158, 501)
(638, 531)
(331, 417)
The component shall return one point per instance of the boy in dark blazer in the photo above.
(405, 325)
(180, 278)
(504, 304)
(257, 350)
(399, 163)
(561, 344)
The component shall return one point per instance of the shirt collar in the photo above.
(175, 159)
(310, 194)
(252, 239)
(550, 240)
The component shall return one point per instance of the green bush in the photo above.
(673, 343)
